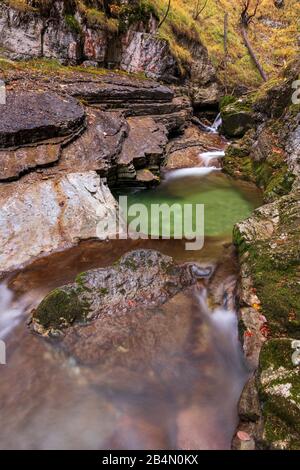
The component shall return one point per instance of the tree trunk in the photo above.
(252, 53)
(166, 15)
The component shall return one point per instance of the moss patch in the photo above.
(60, 309)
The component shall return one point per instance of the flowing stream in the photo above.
(170, 379)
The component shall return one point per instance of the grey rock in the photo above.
(39, 216)
(29, 117)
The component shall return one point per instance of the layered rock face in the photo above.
(54, 152)
(268, 245)
(67, 34)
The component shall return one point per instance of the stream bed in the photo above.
(169, 378)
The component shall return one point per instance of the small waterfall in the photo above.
(217, 123)
(224, 323)
(206, 157)
(213, 129)
(182, 172)
(12, 310)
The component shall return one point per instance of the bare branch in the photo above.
(165, 16)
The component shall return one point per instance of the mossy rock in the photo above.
(59, 309)
(237, 117)
(279, 389)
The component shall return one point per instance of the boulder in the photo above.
(140, 278)
(39, 215)
(237, 118)
(29, 117)
(145, 145)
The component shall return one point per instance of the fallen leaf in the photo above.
(243, 436)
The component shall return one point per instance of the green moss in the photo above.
(103, 291)
(226, 100)
(59, 309)
(271, 175)
(138, 12)
(73, 24)
(275, 354)
(275, 277)
(130, 264)
(280, 409)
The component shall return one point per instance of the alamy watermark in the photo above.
(2, 353)
(296, 94)
(157, 221)
(2, 92)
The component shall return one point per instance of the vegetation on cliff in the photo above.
(274, 33)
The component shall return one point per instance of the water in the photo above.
(11, 310)
(225, 201)
(183, 172)
(214, 128)
(169, 378)
(208, 157)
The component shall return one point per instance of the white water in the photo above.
(203, 171)
(215, 126)
(224, 324)
(206, 157)
(12, 311)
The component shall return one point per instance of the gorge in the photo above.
(118, 343)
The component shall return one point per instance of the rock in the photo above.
(99, 147)
(184, 151)
(149, 54)
(89, 63)
(26, 34)
(143, 277)
(249, 406)
(29, 117)
(237, 118)
(117, 90)
(146, 176)
(15, 162)
(20, 34)
(279, 385)
(144, 146)
(39, 216)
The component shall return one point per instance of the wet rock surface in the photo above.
(143, 149)
(141, 278)
(184, 151)
(100, 146)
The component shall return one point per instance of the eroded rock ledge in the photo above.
(56, 143)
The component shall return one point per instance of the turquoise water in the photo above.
(225, 201)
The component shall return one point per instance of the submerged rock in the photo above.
(140, 278)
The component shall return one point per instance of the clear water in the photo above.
(225, 201)
(167, 379)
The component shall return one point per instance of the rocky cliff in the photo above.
(74, 33)
(268, 245)
(61, 134)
